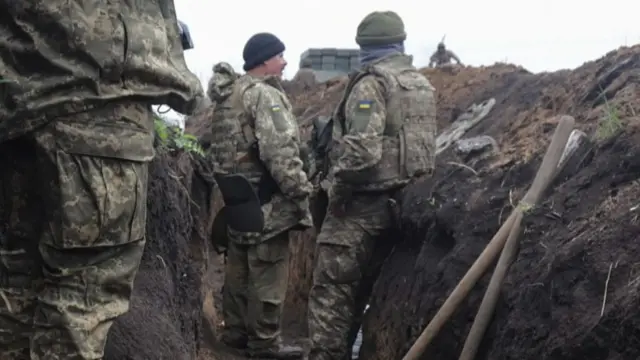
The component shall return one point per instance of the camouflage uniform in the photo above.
(383, 138)
(252, 111)
(74, 154)
(443, 57)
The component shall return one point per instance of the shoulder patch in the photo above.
(279, 116)
(358, 121)
(365, 104)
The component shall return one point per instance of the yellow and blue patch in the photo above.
(365, 104)
(275, 108)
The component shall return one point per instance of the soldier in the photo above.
(221, 82)
(383, 138)
(76, 138)
(256, 146)
(443, 57)
(305, 77)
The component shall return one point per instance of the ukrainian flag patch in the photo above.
(365, 104)
(275, 108)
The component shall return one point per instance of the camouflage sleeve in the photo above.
(278, 140)
(365, 114)
(432, 60)
(454, 56)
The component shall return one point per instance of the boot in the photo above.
(317, 355)
(278, 351)
(234, 341)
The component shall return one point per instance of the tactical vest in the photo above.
(442, 58)
(409, 138)
(234, 147)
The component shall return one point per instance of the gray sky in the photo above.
(540, 35)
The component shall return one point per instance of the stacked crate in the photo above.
(331, 62)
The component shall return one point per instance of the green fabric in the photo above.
(380, 28)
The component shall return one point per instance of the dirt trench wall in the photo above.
(551, 302)
(164, 321)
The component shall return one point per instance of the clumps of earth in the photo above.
(572, 293)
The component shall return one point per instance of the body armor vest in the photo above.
(234, 147)
(408, 143)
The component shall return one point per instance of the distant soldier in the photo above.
(305, 77)
(442, 57)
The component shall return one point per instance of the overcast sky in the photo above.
(540, 35)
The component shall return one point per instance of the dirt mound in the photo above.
(577, 245)
(164, 321)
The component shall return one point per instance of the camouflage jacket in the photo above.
(440, 58)
(62, 57)
(253, 132)
(384, 127)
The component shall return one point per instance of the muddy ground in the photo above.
(584, 231)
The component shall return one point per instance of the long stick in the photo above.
(487, 307)
(480, 266)
(510, 251)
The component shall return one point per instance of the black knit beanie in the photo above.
(260, 48)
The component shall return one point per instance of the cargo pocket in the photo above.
(95, 201)
(273, 250)
(337, 264)
(126, 136)
(417, 135)
(102, 201)
(417, 149)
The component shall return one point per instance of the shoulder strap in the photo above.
(237, 101)
(339, 113)
(388, 78)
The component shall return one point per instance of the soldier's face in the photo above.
(275, 66)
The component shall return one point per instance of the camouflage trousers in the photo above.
(350, 250)
(255, 285)
(72, 231)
